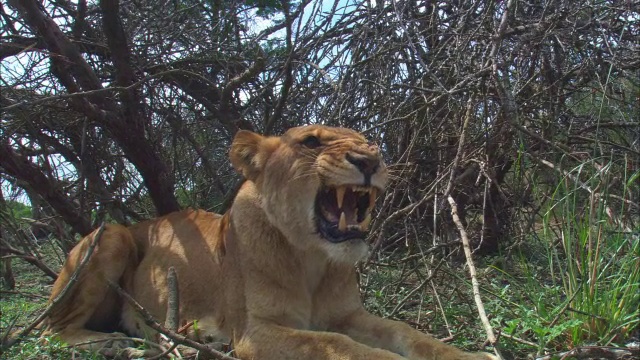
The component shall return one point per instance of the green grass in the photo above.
(20, 307)
(45, 349)
(442, 307)
(597, 259)
(577, 281)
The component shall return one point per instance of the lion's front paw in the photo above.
(115, 341)
(480, 356)
(113, 345)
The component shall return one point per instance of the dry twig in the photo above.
(172, 320)
(472, 271)
(6, 248)
(173, 302)
(154, 324)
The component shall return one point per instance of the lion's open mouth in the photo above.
(344, 212)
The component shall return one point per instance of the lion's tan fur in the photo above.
(258, 276)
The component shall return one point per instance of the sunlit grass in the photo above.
(596, 258)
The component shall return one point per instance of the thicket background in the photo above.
(525, 112)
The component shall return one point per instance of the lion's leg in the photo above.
(91, 310)
(401, 338)
(274, 342)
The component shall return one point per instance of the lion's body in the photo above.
(264, 275)
(178, 240)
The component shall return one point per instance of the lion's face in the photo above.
(318, 185)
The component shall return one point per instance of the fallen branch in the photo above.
(472, 271)
(154, 324)
(8, 249)
(65, 291)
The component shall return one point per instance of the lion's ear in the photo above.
(250, 151)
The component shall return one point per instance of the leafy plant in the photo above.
(596, 257)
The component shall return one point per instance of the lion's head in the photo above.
(317, 184)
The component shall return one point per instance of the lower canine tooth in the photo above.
(342, 224)
(364, 225)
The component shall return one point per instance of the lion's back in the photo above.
(184, 224)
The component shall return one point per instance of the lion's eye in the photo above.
(311, 142)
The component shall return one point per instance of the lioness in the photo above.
(275, 274)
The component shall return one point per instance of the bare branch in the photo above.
(472, 272)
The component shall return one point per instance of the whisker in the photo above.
(303, 175)
(310, 155)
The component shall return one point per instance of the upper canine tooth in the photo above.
(342, 224)
(364, 225)
(340, 190)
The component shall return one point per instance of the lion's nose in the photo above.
(368, 165)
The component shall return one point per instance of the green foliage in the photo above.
(18, 210)
(597, 260)
(47, 348)
(22, 307)
(577, 280)
(528, 309)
